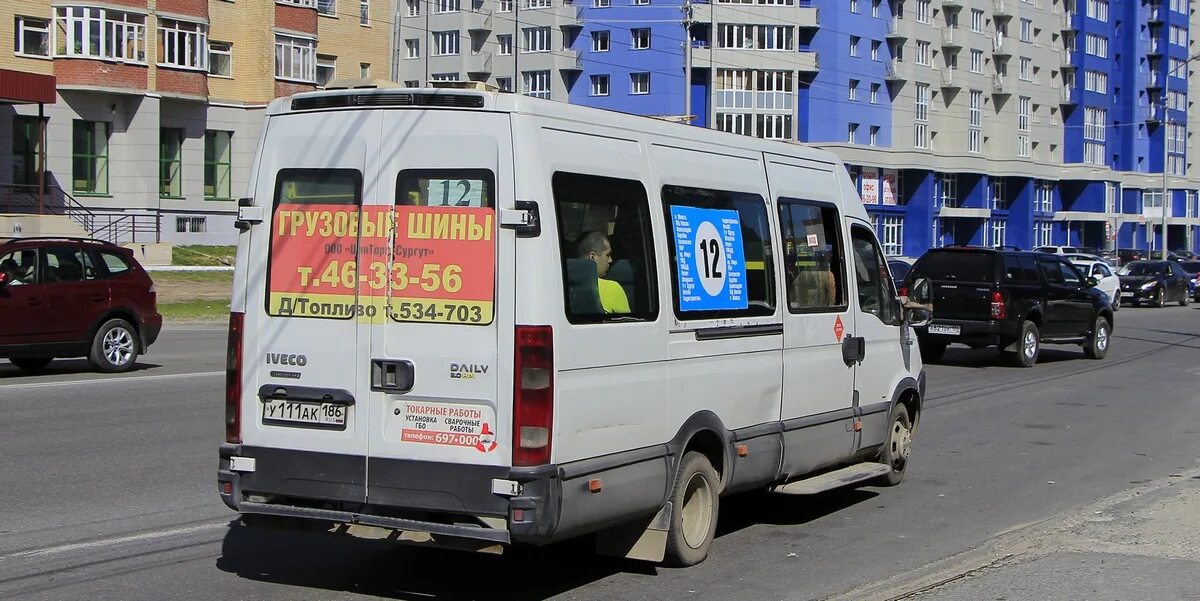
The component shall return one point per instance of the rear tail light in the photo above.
(533, 395)
(903, 291)
(233, 380)
(999, 309)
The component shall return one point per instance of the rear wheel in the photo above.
(695, 501)
(1116, 301)
(931, 351)
(31, 364)
(896, 448)
(1185, 299)
(115, 346)
(1028, 346)
(1097, 345)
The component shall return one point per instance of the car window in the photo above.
(1101, 270)
(114, 263)
(814, 267)
(1052, 272)
(956, 265)
(65, 264)
(20, 266)
(876, 291)
(1019, 270)
(1070, 275)
(606, 247)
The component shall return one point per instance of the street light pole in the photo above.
(1166, 121)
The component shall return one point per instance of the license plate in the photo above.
(1126, 295)
(944, 329)
(296, 412)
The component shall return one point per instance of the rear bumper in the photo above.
(151, 327)
(448, 501)
(972, 332)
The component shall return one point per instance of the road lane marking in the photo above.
(4, 387)
(119, 540)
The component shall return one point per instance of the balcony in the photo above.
(1154, 47)
(951, 79)
(1002, 9)
(895, 28)
(808, 62)
(895, 71)
(568, 16)
(808, 18)
(952, 4)
(1151, 113)
(1069, 95)
(1156, 14)
(1154, 80)
(1068, 21)
(478, 63)
(951, 38)
(1066, 58)
(478, 20)
(1001, 85)
(1001, 47)
(568, 60)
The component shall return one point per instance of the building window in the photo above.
(444, 77)
(535, 4)
(326, 66)
(85, 32)
(1026, 30)
(536, 84)
(504, 83)
(295, 58)
(874, 136)
(27, 149)
(976, 61)
(1179, 35)
(300, 3)
(1043, 233)
(1023, 108)
(875, 8)
(600, 85)
(414, 7)
(535, 39)
(875, 50)
(874, 93)
(445, 43)
(641, 2)
(220, 59)
(32, 37)
(639, 83)
(639, 39)
(997, 190)
(364, 12)
(1096, 45)
(445, 6)
(854, 45)
(1043, 201)
(1095, 122)
(327, 7)
(975, 122)
(601, 3)
(504, 44)
(947, 186)
(364, 70)
(854, 6)
(921, 127)
(893, 236)
(600, 40)
(999, 232)
(89, 157)
(1098, 10)
(852, 133)
(976, 20)
(412, 48)
(774, 127)
(170, 161)
(1026, 69)
(1095, 81)
(923, 53)
(923, 11)
(191, 225)
(853, 89)
(218, 164)
(412, 83)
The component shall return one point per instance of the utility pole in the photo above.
(687, 60)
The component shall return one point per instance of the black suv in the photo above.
(1007, 298)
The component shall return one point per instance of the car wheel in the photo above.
(695, 500)
(1116, 304)
(115, 346)
(931, 352)
(1029, 345)
(1097, 345)
(1183, 302)
(31, 364)
(896, 448)
(1160, 299)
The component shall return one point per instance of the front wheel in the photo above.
(897, 447)
(695, 500)
(1028, 346)
(1183, 302)
(115, 347)
(1160, 299)
(1116, 302)
(1097, 345)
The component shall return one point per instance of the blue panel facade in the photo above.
(828, 110)
(664, 60)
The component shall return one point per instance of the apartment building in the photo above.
(159, 102)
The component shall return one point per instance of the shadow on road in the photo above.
(390, 570)
(991, 357)
(61, 367)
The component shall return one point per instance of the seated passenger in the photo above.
(595, 247)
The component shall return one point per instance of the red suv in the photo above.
(73, 297)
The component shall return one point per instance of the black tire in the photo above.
(1097, 345)
(31, 364)
(1160, 299)
(695, 499)
(115, 347)
(1185, 299)
(931, 351)
(1029, 346)
(1116, 302)
(897, 446)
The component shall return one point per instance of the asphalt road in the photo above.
(109, 487)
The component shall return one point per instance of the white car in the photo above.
(1108, 282)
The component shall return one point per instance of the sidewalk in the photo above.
(1140, 544)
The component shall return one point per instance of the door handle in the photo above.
(392, 375)
(854, 349)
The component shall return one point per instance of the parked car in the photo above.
(1129, 255)
(1106, 279)
(1192, 268)
(1085, 257)
(1155, 282)
(1186, 255)
(1014, 300)
(73, 297)
(1059, 250)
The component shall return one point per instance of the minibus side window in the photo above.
(311, 264)
(814, 263)
(876, 292)
(606, 247)
(721, 262)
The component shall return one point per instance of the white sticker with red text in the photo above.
(447, 424)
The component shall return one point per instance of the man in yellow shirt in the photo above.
(595, 247)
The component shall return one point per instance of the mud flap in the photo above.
(644, 540)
